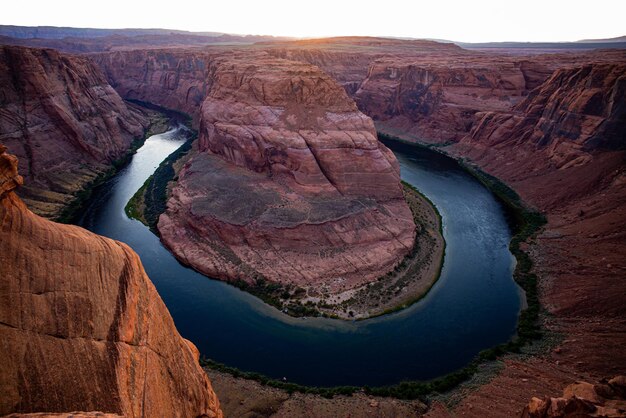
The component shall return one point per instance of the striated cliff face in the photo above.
(563, 151)
(174, 79)
(425, 90)
(288, 183)
(63, 120)
(436, 102)
(82, 328)
(558, 150)
(582, 105)
(577, 115)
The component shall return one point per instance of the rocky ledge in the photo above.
(582, 399)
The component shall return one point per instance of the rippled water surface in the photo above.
(473, 306)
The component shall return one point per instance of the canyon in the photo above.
(551, 126)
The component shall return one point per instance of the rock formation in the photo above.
(583, 399)
(558, 150)
(82, 328)
(289, 182)
(575, 113)
(63, 120)
(427, 90)
(562, 149)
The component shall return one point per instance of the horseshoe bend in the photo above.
(293, 174)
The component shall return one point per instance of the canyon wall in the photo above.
(430, 91)
(65, 123)
(288, 182)
(568, 131)
(176, 79)
(82, 328)
(560, 150)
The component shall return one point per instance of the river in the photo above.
(474, 305)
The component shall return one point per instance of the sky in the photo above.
(468, 21)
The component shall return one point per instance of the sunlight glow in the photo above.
(471, 21)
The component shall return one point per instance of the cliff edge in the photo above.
(82, 328)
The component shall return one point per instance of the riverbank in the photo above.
(240, 398)
(526, 223)
(158, 123)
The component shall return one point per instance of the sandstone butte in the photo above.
(82, 328)
(288, 181)
(65, 123)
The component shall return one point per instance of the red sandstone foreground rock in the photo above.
(288, 183)
(82, 328)
(63, 120)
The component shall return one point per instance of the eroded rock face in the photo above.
(63, 120)
(575, 112)
(174, 79)
(424, 90)
(82, 328)
(289, 182)
(436, 102)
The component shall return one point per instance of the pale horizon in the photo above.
(478, 21)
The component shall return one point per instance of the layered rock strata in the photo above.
(175, 78)
(82, 328)
(430, 91)
(65, 123)
(289, 183)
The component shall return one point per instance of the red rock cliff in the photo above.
(63, 120)
(289, 182)
(559, 150)
(430, 91)
(82, 328)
